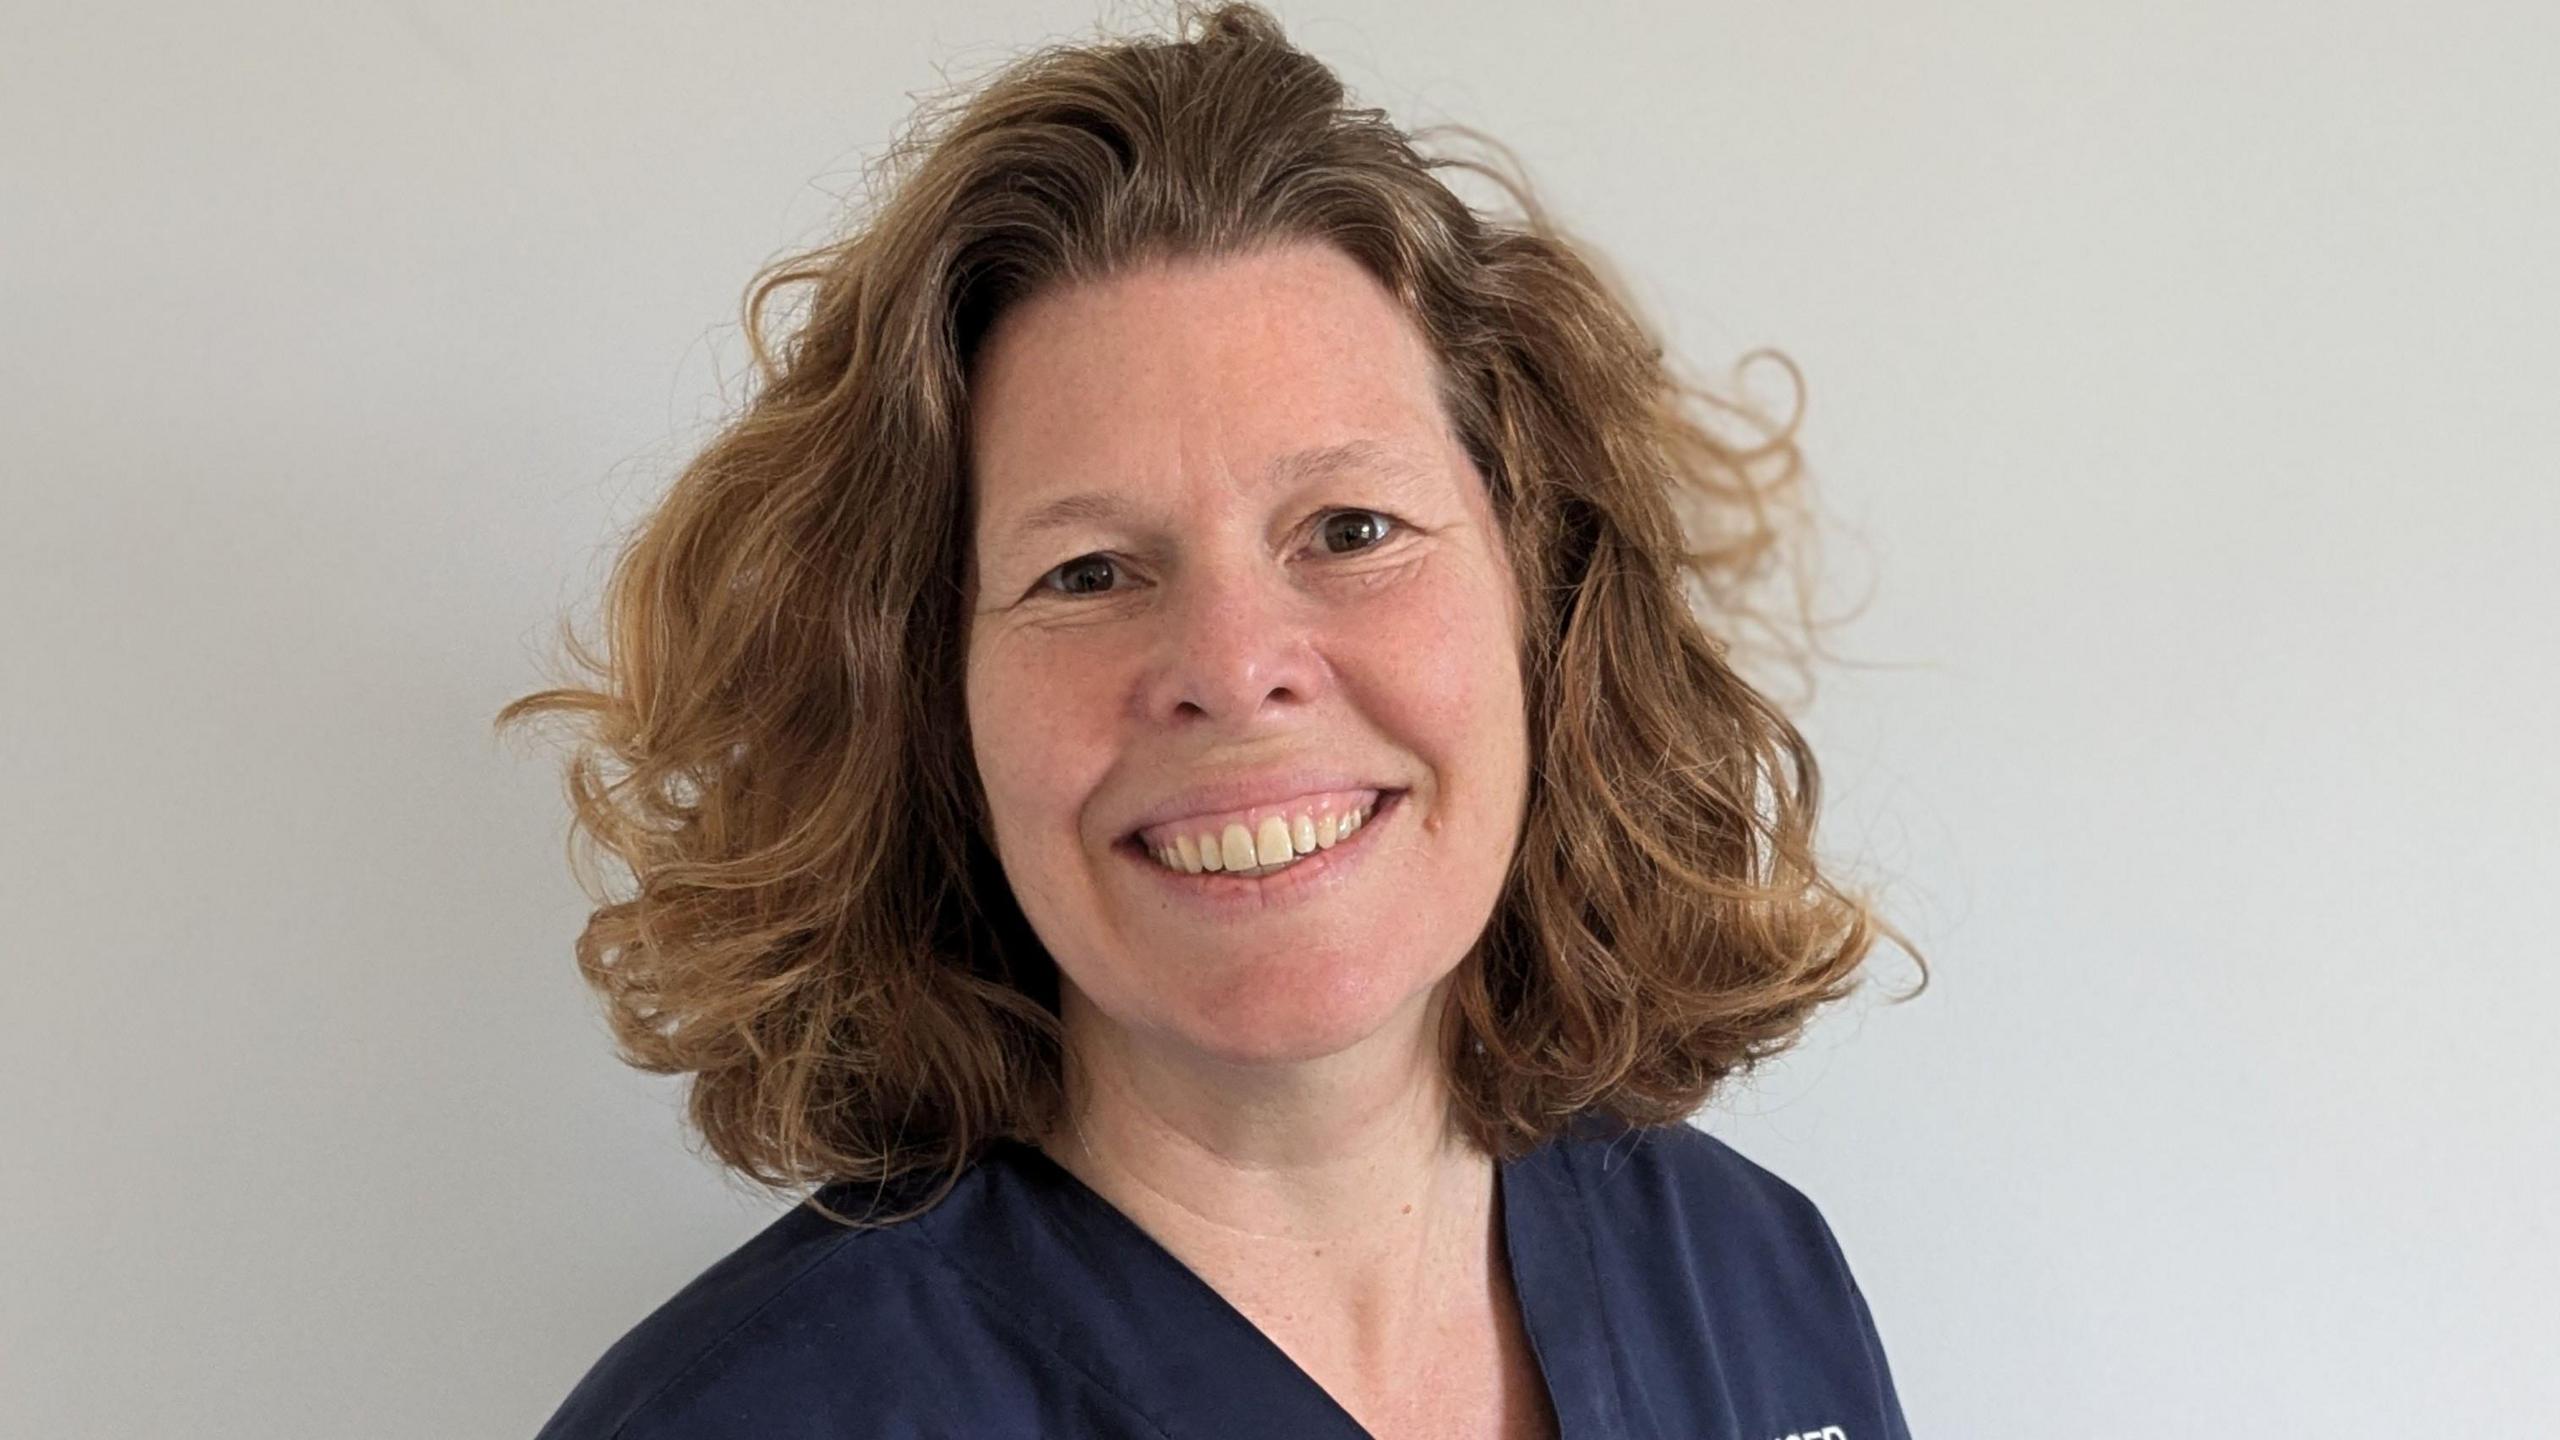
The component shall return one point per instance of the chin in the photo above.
(1294, 1017)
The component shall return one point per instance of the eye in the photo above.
(1091, 574)
(1082, 565)
(1377, 523)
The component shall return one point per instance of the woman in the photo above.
(1171, 774)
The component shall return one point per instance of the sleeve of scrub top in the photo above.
(1887, 1400)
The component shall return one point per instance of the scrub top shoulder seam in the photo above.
(826, 1252)
(1044, 1337)
(1578, 1208)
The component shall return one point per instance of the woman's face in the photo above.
(1231, 568)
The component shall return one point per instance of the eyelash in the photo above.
(1393, 526)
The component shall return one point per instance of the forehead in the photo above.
(1219, 364)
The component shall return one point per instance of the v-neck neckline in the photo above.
(1197, 1343)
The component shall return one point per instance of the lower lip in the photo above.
(1310, 876)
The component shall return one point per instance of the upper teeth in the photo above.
(1278, 842)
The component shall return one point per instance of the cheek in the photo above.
(1440, 655)
(1021, 712)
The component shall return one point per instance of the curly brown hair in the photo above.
(775, 742)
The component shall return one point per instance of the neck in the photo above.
(1335, 1186)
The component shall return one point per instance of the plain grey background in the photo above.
(2181, 391)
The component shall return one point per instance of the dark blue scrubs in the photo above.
(1672, 1288)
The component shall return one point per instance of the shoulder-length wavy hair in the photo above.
(775, 743)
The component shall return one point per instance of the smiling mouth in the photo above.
(1134, 845)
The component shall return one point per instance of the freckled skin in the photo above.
(1237, 622)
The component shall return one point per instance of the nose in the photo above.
(1236, 644)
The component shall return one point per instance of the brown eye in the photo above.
(1361, 521)
(1092, 567)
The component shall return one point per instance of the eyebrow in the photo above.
(1298, 467)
